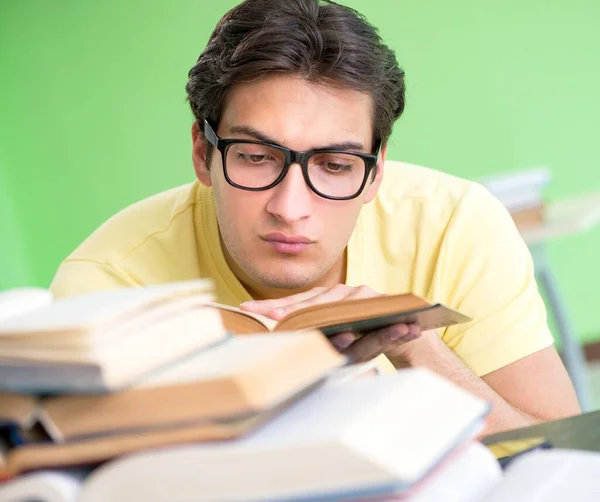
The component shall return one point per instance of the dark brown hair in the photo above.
(321, 41)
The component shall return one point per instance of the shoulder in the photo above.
(409, 182)
(150, 241)
(138, 224)
(424, 196)
(419, 217)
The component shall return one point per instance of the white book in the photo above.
(367, 437)
(83, 313)
(465, 476)
(105, 340)
(530, 180)
(471, 474)
(554, 475)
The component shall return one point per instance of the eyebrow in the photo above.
(250, 131)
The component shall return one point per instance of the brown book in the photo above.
(94, 450)
(219, 393)
(18, 409)
(530, 217)
(360, 315)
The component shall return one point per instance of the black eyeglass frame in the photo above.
(291, 157)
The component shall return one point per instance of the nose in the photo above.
(291, 199)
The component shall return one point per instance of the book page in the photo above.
(86, 311)
(19, 301)
(223, 360)
(553, 475)
(366, 314)
(465, 476)
(241, 322)
(44, 486)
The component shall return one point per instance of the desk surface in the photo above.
(581, 432)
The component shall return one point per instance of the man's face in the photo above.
(256, 227)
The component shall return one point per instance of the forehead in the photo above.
(299, 114)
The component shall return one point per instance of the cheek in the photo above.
(340, 219)
(239, 210)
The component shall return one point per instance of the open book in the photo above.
(359, 315)
(343, 441)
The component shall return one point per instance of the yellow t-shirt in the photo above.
(439, 236)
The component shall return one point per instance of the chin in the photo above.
(285, 280)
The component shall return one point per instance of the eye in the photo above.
(336, 164)
(336, 167)
(254, 158)
(253, 155)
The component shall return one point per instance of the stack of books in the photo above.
(146, 394)
(99, 375)
(522, 193)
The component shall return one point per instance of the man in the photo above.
(294, 101)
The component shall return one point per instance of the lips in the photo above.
(290, 239)
(288, 244)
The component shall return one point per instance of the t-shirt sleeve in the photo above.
(486, 271)
(76, 276)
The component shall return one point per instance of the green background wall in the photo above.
(93, 113)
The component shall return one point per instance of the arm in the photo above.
(506, 355)
(544, 391)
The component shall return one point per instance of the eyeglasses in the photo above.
(255, 166)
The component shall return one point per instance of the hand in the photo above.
(391, 341)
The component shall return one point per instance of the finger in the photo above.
(343, 340)
(378, 342)
(337, 292)
(263, 306)
(333, 294)
(415, 329)
(362, 292)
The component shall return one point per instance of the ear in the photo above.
(373, 186)
(199, 155)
